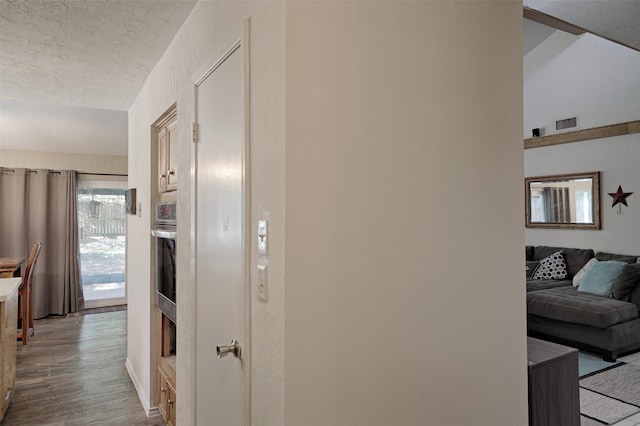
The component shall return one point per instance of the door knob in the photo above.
(233, 348)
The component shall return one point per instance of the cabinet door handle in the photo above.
(172, 172)
(163, 390)
(169, 401)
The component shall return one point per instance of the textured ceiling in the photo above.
(615, 20)
(70, 69)
(94, 53)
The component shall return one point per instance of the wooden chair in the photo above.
(25, 308)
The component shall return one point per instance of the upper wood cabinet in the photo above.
(167, 154)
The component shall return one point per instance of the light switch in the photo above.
(262, 283)
(263, 237)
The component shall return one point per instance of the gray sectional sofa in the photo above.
(558, 311)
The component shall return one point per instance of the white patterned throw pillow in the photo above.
(577, 279)
(552, 267)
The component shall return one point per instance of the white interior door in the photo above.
(220, 241)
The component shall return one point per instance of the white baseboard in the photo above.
(154, 412)
(144, 398)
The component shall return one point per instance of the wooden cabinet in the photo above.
(164, 338)
(166, 366)
(167, 154)
(167, 389)
(554, 395)
(8, 332)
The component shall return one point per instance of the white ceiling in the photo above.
(36, 126)
(533, 34)
(70, 69)
(78, 64)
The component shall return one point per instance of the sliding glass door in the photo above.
(102, 235)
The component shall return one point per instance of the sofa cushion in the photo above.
(540, 252)
(602, 256)
(528, 252)
(635, 296)
(551, 267)
(573, 257)
(626, 282)
(576, 259)
(569, 305)
(535, 285)
(600, 277)
(530, 267)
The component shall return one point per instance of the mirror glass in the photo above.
(563, 201)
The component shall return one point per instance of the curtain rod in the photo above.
(8, 169)
(12, 170)
(102, 174)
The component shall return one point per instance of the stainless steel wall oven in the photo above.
(164, 233)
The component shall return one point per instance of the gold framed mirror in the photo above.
(563, 201)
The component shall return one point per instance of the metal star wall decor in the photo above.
(619, 197)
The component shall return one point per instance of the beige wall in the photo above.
(404, 295)
(85, 163)
(371, 118)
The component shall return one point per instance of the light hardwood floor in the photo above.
(73, 372)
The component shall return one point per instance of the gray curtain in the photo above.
(557, 205)
(40, 205)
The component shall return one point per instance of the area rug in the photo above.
(611, 395)
(589, 364)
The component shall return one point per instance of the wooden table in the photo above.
(10, 266)
(8, 327)
(554, 395)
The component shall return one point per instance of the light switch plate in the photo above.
(263, 237)
(262, 283)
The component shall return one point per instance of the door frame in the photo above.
(241, 43)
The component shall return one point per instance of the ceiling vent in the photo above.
(567, 124)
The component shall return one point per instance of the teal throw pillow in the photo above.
(599, 279)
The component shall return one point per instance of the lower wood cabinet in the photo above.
(167, 389)
(8, 329)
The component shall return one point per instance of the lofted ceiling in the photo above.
(615, 20)
(533, 34)
(79, 64)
